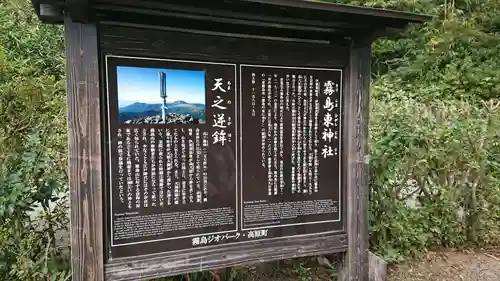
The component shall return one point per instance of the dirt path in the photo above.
(443, 265)
(449, 265)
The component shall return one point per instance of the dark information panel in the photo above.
(205, 153)
(290, 147)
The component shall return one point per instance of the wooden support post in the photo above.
(354, 265)
(139, 34)
(378, 268)
(78, 10)
(84, 136)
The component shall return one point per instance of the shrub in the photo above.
(434, 175)
(32, 147)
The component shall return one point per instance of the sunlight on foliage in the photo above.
(434, 137)
(32, 147)
(434, 129)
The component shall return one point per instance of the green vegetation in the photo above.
(435, 121)
(32, 147)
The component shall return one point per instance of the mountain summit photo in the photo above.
(138, 111)
(160, 96)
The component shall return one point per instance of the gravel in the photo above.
(172, 118)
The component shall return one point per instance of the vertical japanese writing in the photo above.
(171, 151)
(190, 181)
(205, 167)
(153, 161)
(170, 167)
(176, 168)
(130, 182)
(276, 113)
(263, 122)
(137, 168)
(294, 136)
(120, 170)
(317, 90)
(219, 119)
(305, 136)
(184, 170)
(253, 95)
(285, 179)
(269, 155)
(281, 128)
(161, 171)
(330, 121)
(296, 114)
(312, 136)
(145, 172)
(300, 110)
(200, 154)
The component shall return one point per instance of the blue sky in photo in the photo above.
(142, 84)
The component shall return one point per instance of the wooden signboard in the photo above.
(204, 134)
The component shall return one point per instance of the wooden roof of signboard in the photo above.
(296, 18)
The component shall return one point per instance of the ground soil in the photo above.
(441, 265)
(452, 265)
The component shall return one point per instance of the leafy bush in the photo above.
(434, 123)
(33, 209)
(434, 169)
(433, 136)
(29, 248)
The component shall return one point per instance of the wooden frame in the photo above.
(85, 151)
(89, 36)
(354, 264)
(115, 40)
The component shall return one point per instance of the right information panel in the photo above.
(290, 149)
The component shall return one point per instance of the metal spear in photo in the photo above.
(163, 95)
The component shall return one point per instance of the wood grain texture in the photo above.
(275, 11)
(184, 46)
(377, 268)
(354, 266)
(84, 136)
(226, 11)
(147, 42)
(78, 10)
(168, 264)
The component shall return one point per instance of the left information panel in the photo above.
(172, 153)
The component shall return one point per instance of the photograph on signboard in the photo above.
(160, 95)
